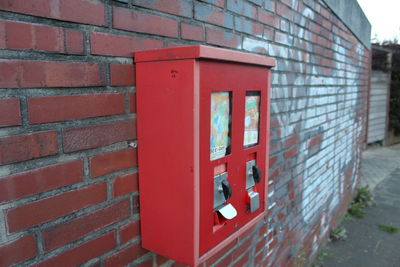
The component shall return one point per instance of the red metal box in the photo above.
(203, 136)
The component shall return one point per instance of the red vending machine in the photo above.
(203, 137)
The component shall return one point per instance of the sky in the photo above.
(384, 16)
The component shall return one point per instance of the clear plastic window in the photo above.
(251, 118)
(220, 122)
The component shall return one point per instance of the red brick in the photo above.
(19, 35)
(112, 161)
(133, 20)
(59, 108)
(284, 11)
(191, 32)
(242, 248)
(292, 140)
(99, 135)
(125, 256)
(161, 259)
(176, 7)
(213, 16)
(122, 74)
(27, 146)
(120, 45)
(67, 232)
(48, 38)
(43, 210)
(74, 41)
(83, 252)
(132, 102)
(125, 184)
(84, 11)
(9, 73)
(221, 253)
(129, 231)
(27, 73)
(67, 74)
(2, 34)
(222, 38)
(40, 180)
(290, 153)
(242, 262)
(314, 141)
(34, 7)
(10, 113)
(147, 263)
(18, 251)
(267, 18)
(225, 262)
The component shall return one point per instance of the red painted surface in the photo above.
(177, 196)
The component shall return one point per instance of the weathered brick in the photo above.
(2, 34)
(10, 113)
(122, 74)
(125, 184)
(132, 102)
(129, 231)
(48, 38)
(82, 253)
(132, 20)
(19, 35)
(112, 161)
(222, 38)
(213, 16)
(65, 233)
(242, 8)
(84, 11)
(268, 18)
(27, 146)
(291, 153)
(146, 263)
(191, 32)
(176, 7)
(120, 45)
(98, 135)
(18, 250)
(40, 180)
(43, 210)
(125, 256)
(74, 42)
(222, 252)
(28, 73)
(67, 74)
(59, 108)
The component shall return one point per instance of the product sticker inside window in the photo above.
(251, 118)
(220, 124)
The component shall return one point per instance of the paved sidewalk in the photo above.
(367, 245)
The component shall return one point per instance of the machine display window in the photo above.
(251, 118)
(220, 124)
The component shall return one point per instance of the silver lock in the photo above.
(219, 197)
(254, 200)
(249, 174)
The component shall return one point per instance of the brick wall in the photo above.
(68, 169)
